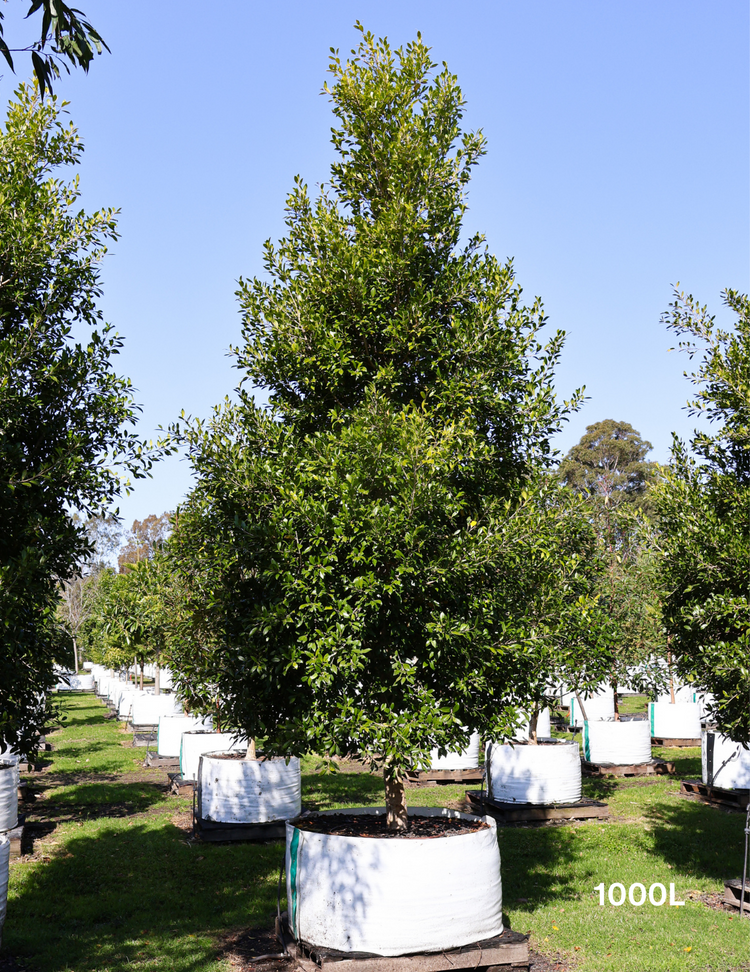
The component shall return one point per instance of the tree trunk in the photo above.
(532, 726)
(395, 804)
(613, 683)
(141, 676)
(580, 706)
(135, 672)
(75, 655)
(157, 681)
(671, 677)
(250, 754)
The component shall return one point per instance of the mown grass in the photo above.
(119, 883)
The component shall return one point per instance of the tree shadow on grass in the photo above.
(686, 767)
(128, 895)
(698, 839)
(100, 794)
(598, 788)
(323, 791)
(537, 866)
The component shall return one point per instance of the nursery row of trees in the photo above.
(383, 560)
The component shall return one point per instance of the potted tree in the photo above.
(338, 559)
(565, 638)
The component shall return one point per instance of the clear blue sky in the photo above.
(618, 165)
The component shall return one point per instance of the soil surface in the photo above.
(371, 825)
(241, 755)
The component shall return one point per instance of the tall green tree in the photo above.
(66, 418)
(348, 577)
(704, 506)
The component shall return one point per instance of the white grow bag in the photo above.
(599, 707)
(147, 709)
(620, 743)
(4, 874)
(543, 774)
(8, 794)
(731, 762)
(465, 759)
(125, 704)
(196, 742)
(248, 790)
(543, 727)
(171, 728)
(394, 896)
(679, 720)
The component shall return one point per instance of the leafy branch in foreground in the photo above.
(65, 38)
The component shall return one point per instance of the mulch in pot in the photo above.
(374, 825)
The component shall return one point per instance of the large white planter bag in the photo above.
(8, 794)
(82, 683)
(678, 720)
(166, 678)
(540, 775)
(171, 728)
(391, 895)
(125, 705)
(620, 743)
(466, 759)
(196, 742)
(4, 874)
(248, 790)
(117, 689)
(599, 707)
(731, 763)
(147, 709)
(543, 727)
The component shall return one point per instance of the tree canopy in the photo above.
(610, 463)
(67, 440)
(704, 507)
(355, 562)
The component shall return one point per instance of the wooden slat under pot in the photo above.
(213, 832)
(674, 743)
(733, 893)
(162, 762)
(180, 787)
(427, 777)
(517, 814)
(657, 767)
(501, 954)
(715, 795)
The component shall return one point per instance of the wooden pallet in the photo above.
(715, 796)
(733, 893)
(518, 814)
(180, 787)
(17, 838)
(162, 762)
(144, 737)
(429, 777)
(657, 767)
(213, 832)
(674, 743)
(500, 954)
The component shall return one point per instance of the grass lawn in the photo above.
(116, 882)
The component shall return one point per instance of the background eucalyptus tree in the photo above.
(608, 469)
